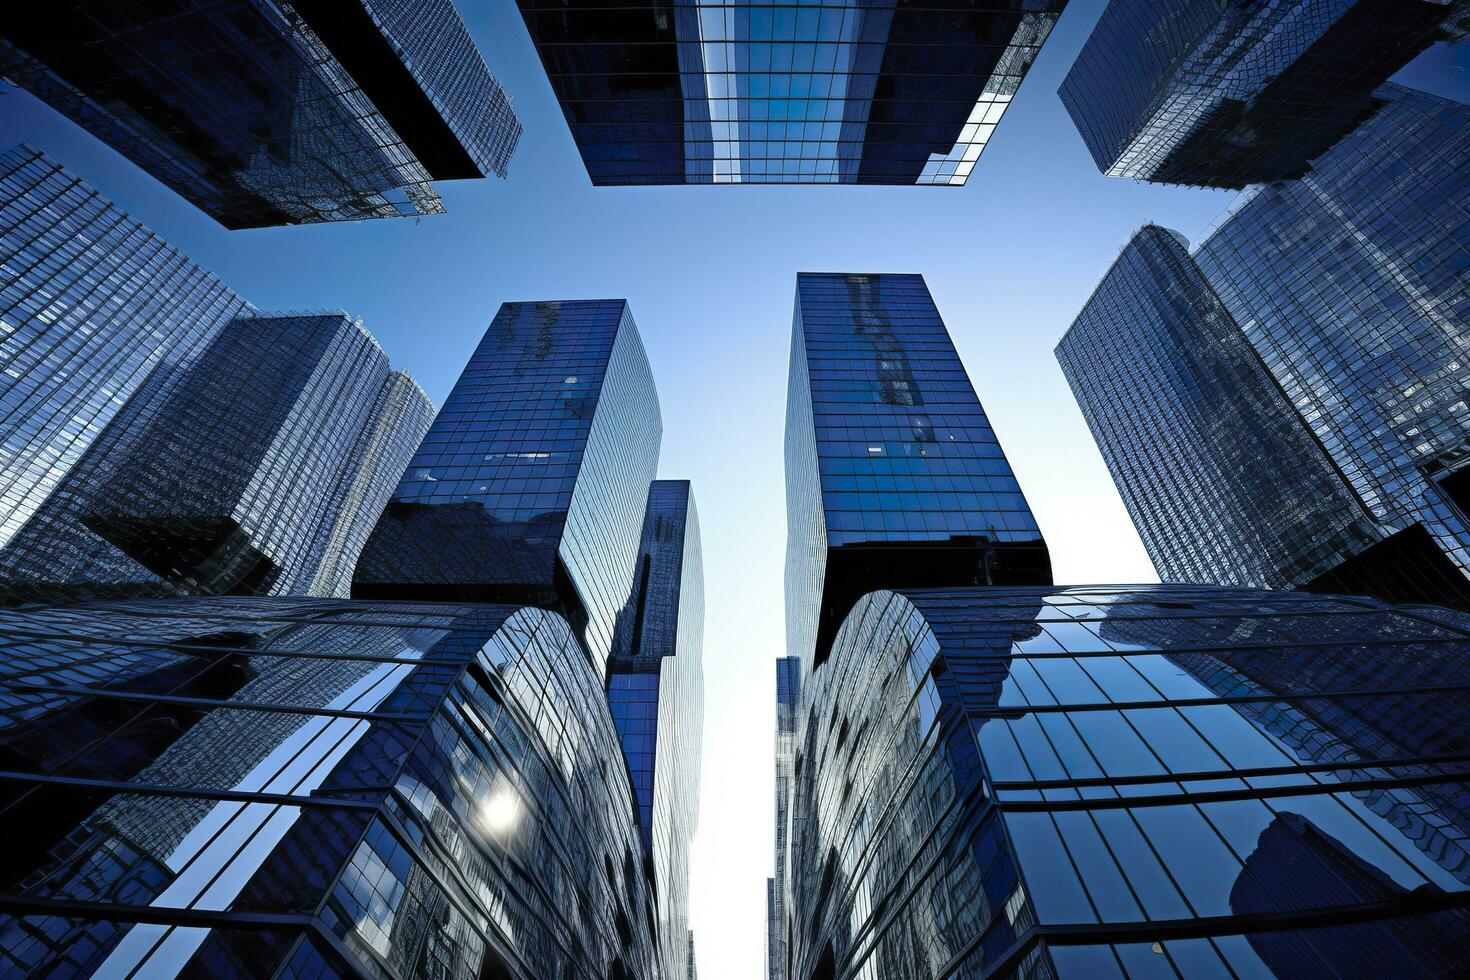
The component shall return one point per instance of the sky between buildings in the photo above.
(711, 275)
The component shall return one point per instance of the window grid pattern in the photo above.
(1219, 94)
(246, 111)
(788, 714)
(224, 475)
(1109, 762)
(437, 786)
(91, 303)
(1351, 284)
(819, 91)
(1224, 482)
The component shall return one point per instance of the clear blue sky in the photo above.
(710, 273)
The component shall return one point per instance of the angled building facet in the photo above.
(841, 93)
(894, 477)
(655, 692)
(263, 112)
(1225, 94)
(531, 485)
(91, 304)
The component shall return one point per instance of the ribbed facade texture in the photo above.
(894, 476)
(224, 475)
(845, 92)
(1225, 94)
(91, 304)
(655, 692)
(313, 789)
(262, 112)
(532, 482)
(788, 716)
(1133, 781)
(1223, 479)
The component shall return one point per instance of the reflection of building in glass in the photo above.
(788, 713)
(843, 92)
(319, 787)
(1350, 284)
(263, 112)
(1097, 781)
(894, 477)
(655, 691)
(1226, 94)
(91, 302)
(231, 473)
(532, 482)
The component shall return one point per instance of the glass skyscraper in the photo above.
(788, 714)
(263, 112)
(532, 482)
(1142, 781)
(842, 92)
(655, 692)
(894, 477)
(313, 789)
(229, 474)
(1223, 479)
(91, 303)
(1225, 94)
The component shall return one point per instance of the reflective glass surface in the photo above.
(655, 690)
(826, 91)
(1143, 781)
(78, 278)
(224, 475)
(788, 713)
(231, 787)
(1227, 94)
(1222, 478)
(267, 113)
(1350, 283)
(893, 473)
(532, 482)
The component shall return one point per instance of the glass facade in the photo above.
(1224, 481)
(1225, 94)
(263, 112)
(835, 91)
(788, 714)
(91, 303)
(224, 475)
(894, 476)
(1141, 781)
(1350, 283)
(312, 788)
(532, 482)
(655, 691)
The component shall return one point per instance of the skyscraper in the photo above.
(1224, 480)
(1108, 781)
(838, 93)
(1227, 94)
(312, 788)
(227, 474)
(1350, 284)
(263, 112)
(655, 691)
(894, 477)
(788, 714)
(532, 482)
(91, 303)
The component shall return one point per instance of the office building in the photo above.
(1225, 94)
(838, 93)
(894, 477)
(788, 715)
(655, 692)
(263, 112)
(91, 304)
(532, 483)
(229, 474)
(312, 788)
(1133, 781)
